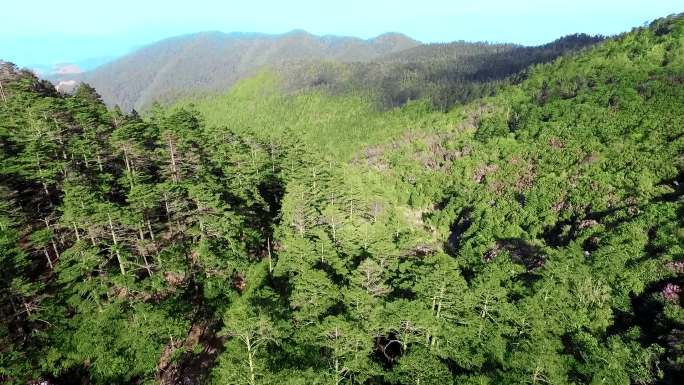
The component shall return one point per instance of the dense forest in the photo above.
(444, 74)
(272, 236)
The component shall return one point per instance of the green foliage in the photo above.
(530, 237)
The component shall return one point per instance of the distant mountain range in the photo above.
(393, 65)
(213, 61)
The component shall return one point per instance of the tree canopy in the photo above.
(534, 236)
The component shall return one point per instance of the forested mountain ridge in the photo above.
(446, 74)
(394, 67)
(213, 61)
(530, 237)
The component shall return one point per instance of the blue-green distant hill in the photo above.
(213, 61)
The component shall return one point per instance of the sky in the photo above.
(43, 33)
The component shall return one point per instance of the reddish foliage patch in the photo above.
(677, 267)
(482, 171)
(671, 292)
(239, 282)
(173, 279)
(587, 223)
(556, 143)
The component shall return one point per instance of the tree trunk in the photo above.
(147, 266)
(140, 231)
(78, 237)
(26, 307)
(248, 343)
(92, 238)
(128, 168)
(128, 164)
(54, 247)
(166, 207)
(174, 168)
(149, 228)
(45, 187)
(52, 241)
(116, 250)
(47, 256)
(270, 259)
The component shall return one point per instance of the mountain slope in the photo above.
(447, 74)
(392, 66)
(213, 61)
(531, 237)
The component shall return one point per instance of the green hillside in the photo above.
(272, 236)
(444, 74)
(336, 125)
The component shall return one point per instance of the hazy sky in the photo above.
(44, 32)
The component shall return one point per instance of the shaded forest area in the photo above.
(446, 74)
(535, 236)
